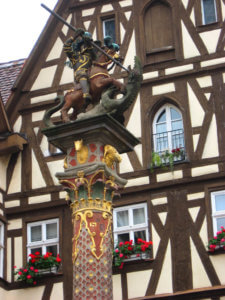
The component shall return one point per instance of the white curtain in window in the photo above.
(139, 215)
(36, 233)
(122, 218)
(51, 231)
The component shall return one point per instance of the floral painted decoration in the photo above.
(218, 241)
(37, 262)
(125, 249)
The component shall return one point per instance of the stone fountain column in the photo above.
(91, 180)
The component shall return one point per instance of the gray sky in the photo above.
(21, 23)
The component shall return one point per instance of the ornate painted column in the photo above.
(91, 180)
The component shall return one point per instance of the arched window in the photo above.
(168, 131)
(159, 38)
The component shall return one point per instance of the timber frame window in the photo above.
(130, 223)
(159, 32)
(1, 248)
(208, 15)
(168, 131)
(218, 210)
(43, 236)
(109, 28)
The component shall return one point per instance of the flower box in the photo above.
(52, 270)
(217, 244)
(37, 266)
(127, 251)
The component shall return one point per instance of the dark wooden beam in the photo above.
(12, 143)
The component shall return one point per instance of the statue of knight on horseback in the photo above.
(90, 71)
(92, 82)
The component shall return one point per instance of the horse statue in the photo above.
(99, 79)
(103, 87)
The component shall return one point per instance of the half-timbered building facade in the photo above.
(180, 110)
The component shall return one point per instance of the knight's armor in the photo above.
(81, 54)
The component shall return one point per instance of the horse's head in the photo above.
(104, 60)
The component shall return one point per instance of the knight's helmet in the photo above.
(87, 34)
(108, 41)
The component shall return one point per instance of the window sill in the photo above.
(208, 27)
(134, 265)
(160, 50)
(218, 250)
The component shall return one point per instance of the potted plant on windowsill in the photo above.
(218, 242)
(166, 158)
(128, 251)
(37, 266)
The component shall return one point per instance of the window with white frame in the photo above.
(109, 28)
(1, 248)
(218, 210)
(130, 223)
(168, 131)
(43, 237)
(209, 14)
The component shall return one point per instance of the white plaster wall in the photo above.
(163, 89)
(210, 39)
(205, 81)
(150, 75)
(88, 12)
(211, 146)
(200, 277)
(137, 283)
(44, 78)
(165, 279)
(57, 291)
(212, 62)
(134, 123)
(196, 111)
(185, 3)
(15, 183)
(117, 287)
(4, 160)
(163, 217)
(138, 181)
(156, 240)
(195, 138)
(34, 293)
(169, 176)
(179, 69)
(56, 50)
(14, 224)
(54, 167)
(18, 254)
(204, 232)
(37, 179)
(13, 203)
(38, 116)
(159, 201)
(43, 98)
(190, 50)
(198, 171)
(67, 75)
(131, 52)
(125, 165)
(138, 151)
(9, 259)
(17, 125)
(195, 196)
(125, 3)
(66, 28)
(219, 265)
(106, 8)
(39, 199)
